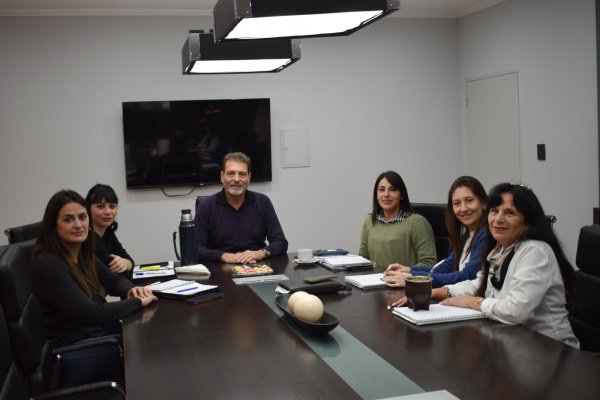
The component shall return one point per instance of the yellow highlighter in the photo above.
(155, 267)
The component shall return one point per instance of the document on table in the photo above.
(437, 313)
(154, 270)
(345, 262)
(366, 281)
(197, 269)
(179, 288)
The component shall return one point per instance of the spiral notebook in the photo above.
(179, 288)
(366, 281)
(437, 313)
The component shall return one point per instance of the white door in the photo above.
(492, 118)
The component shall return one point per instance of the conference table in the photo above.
(242, 347)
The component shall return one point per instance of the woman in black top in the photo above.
(70, 283)
(104, 204)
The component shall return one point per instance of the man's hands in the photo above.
(245, 257)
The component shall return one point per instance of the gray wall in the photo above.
(386, 97)
(552, 46)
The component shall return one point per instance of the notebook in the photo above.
(346, 262)
(153, 270)
(179, 288)
(437, 313)
(193, 270)
(366, 281)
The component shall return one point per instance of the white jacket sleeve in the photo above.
(466, 288)
(528, 279)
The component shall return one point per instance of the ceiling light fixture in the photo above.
(201, 55)
(261, 19)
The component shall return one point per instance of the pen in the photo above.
(152, 273)
(185, 290)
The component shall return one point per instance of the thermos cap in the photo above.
(186, 215)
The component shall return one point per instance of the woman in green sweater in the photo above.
(393, 233)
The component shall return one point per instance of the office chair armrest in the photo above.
(74, 364)
(86, 345)
(104, 390)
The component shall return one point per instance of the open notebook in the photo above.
(178, 288)
(437, 313)
(366, 281)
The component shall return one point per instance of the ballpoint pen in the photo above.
(186, 289)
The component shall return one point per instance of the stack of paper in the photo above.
(345, 262)
(197, 269)
(366, 281)
(155, 270)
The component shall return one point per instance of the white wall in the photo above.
(382, 98)
(388, 97)
(552, 45)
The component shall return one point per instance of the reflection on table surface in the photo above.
(238, 347)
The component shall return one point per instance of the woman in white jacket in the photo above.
(526, 276)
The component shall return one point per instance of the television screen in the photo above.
(177, 143)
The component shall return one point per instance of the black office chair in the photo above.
(584, 315)
(198, 200)
(13, 388)
(22, 233)
(40, 366)
(436, 215)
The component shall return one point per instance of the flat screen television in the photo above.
(182, 143)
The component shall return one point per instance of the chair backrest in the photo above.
(198, 200)
(11, 386)
(23, 233)
(587, 250)
(24, 316)
(583, 311)
(435, 213)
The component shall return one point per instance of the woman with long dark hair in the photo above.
(526, 277)
(467, 228)
(393, 233)
(104, 206)
(70, 283)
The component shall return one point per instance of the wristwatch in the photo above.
(267, 252)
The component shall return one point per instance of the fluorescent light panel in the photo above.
(238, 66)
(201, 55)
(299, 25)
(260, 19)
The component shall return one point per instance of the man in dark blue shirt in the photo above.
(237, 225)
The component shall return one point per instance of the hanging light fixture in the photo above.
(201, 55)
(261, 19)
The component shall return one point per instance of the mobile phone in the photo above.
(319, 278)
(203, 298)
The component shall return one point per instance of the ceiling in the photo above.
(408, 8)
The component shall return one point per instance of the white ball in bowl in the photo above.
(308, 308)
(294, 297)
